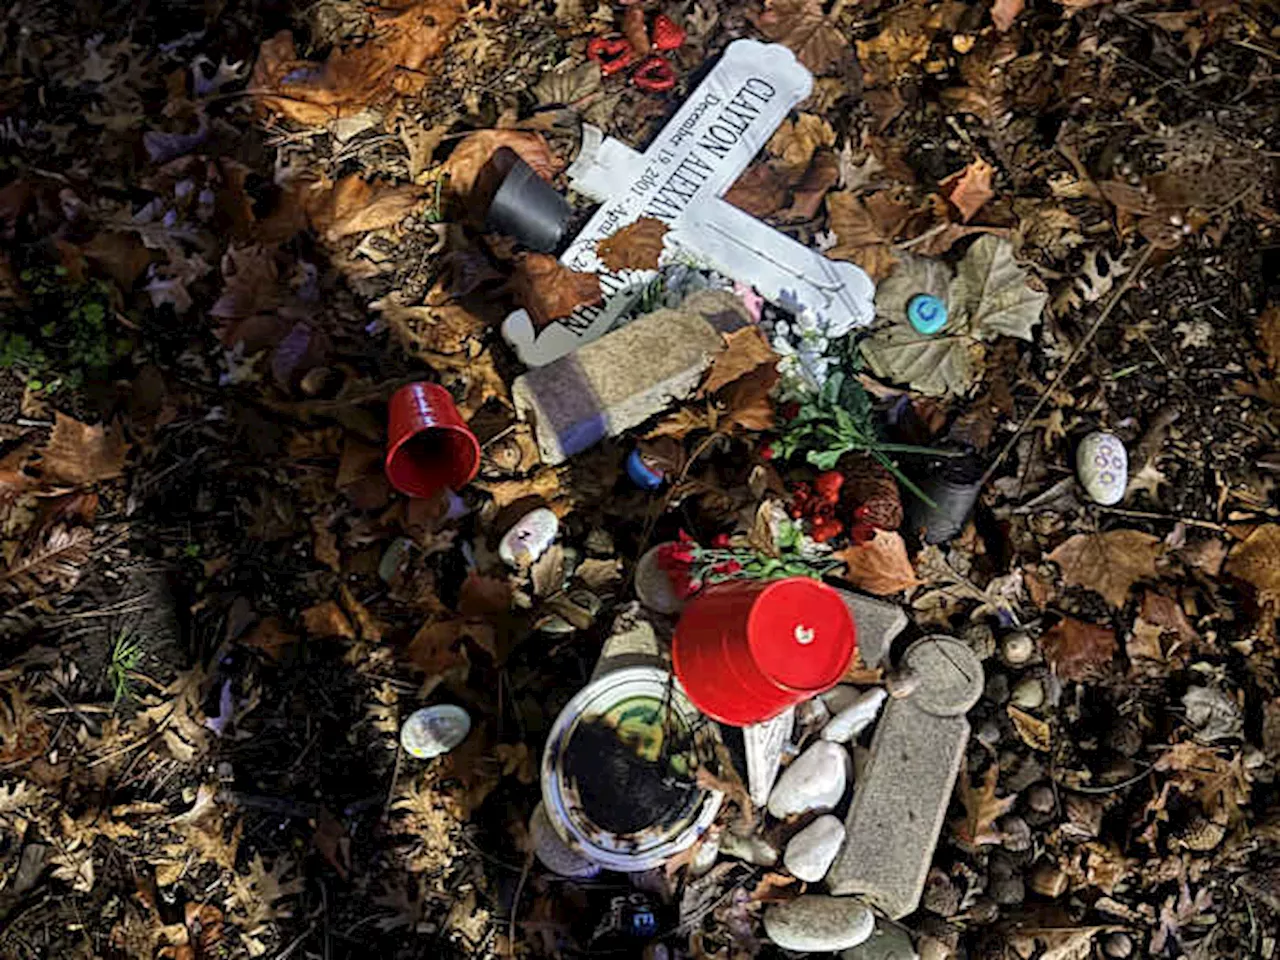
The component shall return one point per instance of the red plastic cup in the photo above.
(746, 650)
(429, 445)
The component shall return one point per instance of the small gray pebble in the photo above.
(1017, 835)
(1118, 946)
(1008, 892)
(941, 895)
(1029, 694)
(984, 910)
(1017, 649)
(988, 733)
(980, 639)
(1040, 798)
(997, 690)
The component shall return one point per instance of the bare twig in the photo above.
(1075, 354)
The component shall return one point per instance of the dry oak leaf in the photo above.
(439, 325)
(1257, 562)
(746, 400)
(637, 246)
(982, 809)
(803, 28)
(1004, 12)
(819, 179)
(78, 453)
(969, 189)
(1033, 731)
(549, 290)
(1077, 650)
(881, 565)
(354, 205)
(888, 56)
(393, 61)
(1109, 563)
(467, 164)
(865, 229)
(745, 349)
(327, 620)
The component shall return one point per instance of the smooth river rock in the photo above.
(1103, 467)
(811, 852)
(856, 717)
(816, 780)
(814, 923)
(887, 942)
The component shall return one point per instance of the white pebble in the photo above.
(434, 730)
(529, 538)
(811, 852)
(856, 717)
(815, 780)
(1103, 467)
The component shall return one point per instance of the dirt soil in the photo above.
(232, 230)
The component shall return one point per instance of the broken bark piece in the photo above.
(901, 801)
(614, 383)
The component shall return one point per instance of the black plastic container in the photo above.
(953, 485)
(526, 207)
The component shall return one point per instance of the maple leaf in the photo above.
(326, 619)
(1077, 650)
(802, 27)
(469, 165)
(745, 349)
(354, 205)
(549, 290)
(637, 246)
(395, 60)
(78, 453)
(1257, 561)
(982, 809)
(881, 565)
(760, 191)
(865, 229)
(1004, 12)
(991, 290)
(1108, 563)
(969, 189)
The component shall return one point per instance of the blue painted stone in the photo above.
(927, 313)
(641, 474)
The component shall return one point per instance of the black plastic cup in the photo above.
(527, 208)
(953, 486)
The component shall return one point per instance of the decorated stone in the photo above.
(434, 730)
(529, 538)
(1103, 467)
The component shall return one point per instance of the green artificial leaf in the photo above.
(825, 459)
(990, 291)
(988, 297)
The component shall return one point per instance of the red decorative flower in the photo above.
(828, 485)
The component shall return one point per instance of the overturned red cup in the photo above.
(429, 446)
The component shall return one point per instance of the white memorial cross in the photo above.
(679, 180)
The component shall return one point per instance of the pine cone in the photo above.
(872, 490)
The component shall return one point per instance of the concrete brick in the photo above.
(616, 382)
(878, 623)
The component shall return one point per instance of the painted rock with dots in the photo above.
(529, 538)
(1103, 467)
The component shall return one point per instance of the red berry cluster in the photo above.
(818, 504)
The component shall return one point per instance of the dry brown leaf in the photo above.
(469, 162)
(326, 619)
(356, 206)
(865, 229)
(543, 485)
(881, 565)
(269, 636)
(598, 573)
(1269, 335)
(549, 290)
(483, 596)
(1166, 613)
(794, 144)
(395, 60)
(634, 29)
(1077, 650)
(982, 809)
(823, 174)
(681, 422)
(760, 191)
(969, 189)
(1004, 12)
(1035, 733)
(430, 328)
(437, 649)
(1257, 562)
(803, 27)
(889, 56)
(637, 246)
(78, 453)
(745, 349)
(54, 562)
(746, 401)
(1110, 563)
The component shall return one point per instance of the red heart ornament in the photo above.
(667, 34)
(654, 76)
(612, 53)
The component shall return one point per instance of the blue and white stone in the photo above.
(1103, 467)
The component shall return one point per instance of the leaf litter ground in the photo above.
(217, 614)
